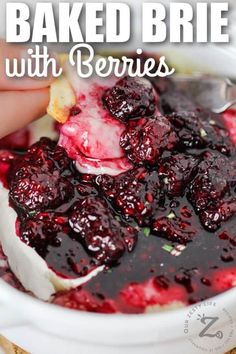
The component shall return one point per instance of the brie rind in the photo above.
(31, 269)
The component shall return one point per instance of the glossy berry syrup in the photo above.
(165, 229)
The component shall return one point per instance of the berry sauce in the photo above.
(164, 230)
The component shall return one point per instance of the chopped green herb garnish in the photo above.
(146, 231)
(174, 251)
(167, 248)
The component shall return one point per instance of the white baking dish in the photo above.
(43, 328)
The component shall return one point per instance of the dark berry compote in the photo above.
(165, 229)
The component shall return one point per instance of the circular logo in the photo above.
(208, 327)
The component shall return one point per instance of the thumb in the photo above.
(23, 83)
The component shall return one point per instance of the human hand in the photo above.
(22, 100)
